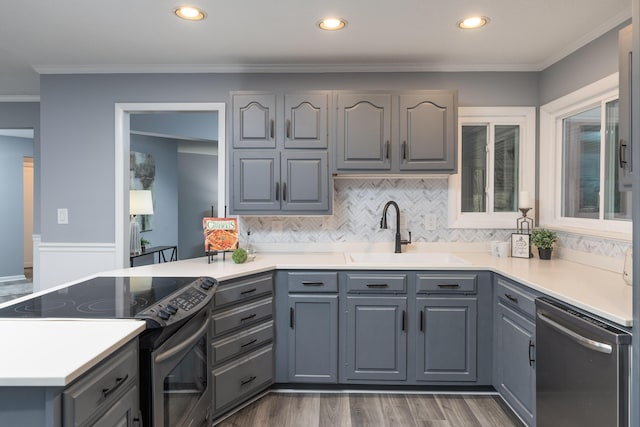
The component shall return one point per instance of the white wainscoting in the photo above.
(65, 262)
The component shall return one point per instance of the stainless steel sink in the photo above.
(407, 258)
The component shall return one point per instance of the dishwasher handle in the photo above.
(583, 341)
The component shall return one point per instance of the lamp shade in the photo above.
(140, 202)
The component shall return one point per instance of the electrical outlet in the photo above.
(430, 221)
(63, 216)
(276, 226)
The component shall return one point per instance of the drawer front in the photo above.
(101, 387)
(243, 290)
(446, 283)
(312, 281)
(516, 297)
(377, 283)
(242, 377)
(239, 317)
(242, 342)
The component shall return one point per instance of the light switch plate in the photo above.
(63, 216)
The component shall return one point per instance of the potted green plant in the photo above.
(143, 244)
(543, 239)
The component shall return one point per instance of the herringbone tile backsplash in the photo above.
(358, 207)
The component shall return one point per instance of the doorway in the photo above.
(123, 144)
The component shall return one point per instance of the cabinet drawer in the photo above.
(242, 290)
(242, 377)
(101, 387)
(241, 342)
(373, 282)
(238, 317)
(446, 283)
(516, 297)
(312, 281)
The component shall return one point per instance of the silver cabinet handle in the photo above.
(184, 344)
(583, 341)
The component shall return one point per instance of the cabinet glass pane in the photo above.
(581, 164)
(505, 178)
(474, 168)
(617, 205)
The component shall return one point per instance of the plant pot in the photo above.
(144, 248)
(545, 253)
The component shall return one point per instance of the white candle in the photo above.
(523, 200)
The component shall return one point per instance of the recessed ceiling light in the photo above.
(473, 22)
(190, 13)
(332, 24)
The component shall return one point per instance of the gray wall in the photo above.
(26, 115)
(12, 152)
(197, 192)
(588, 64)
(78, 125)
(164, 151)
(192, 124)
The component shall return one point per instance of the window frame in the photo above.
(551, 144)
(525, 117)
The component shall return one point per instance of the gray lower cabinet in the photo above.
(106, 396)
(376, 338)
(514, 352)
(446, 339)
(313, 338)
(242, 360)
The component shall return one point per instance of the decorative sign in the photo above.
(220, 234)
(520, 246)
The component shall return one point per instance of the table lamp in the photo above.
(140, 203)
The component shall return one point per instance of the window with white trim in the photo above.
(579, 134)
(496, 165)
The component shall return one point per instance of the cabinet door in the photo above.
(305, 181)
(306, 120)
(363, 131)
(515, 364)
(446, 339)
(254, 117)
(376, 338)
(256, 184)
(623, 156)
(427, 132)
(123, 412)
(313, 338)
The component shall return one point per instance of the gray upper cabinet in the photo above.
(427, 132)
(306, 120)
(305, 181)
(279, 157)
(623, 156)
(254, 120)
(396, 132)
(363, 131)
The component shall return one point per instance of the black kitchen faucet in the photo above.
(383, 224)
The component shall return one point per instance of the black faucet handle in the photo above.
(406, 242)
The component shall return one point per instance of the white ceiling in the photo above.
(70, 36)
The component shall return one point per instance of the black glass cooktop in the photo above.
(100, 297)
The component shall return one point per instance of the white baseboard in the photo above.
(4, 279)
(64, 262)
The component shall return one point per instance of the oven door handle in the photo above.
(583, 341)
(183, 345)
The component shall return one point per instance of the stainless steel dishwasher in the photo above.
(582, 369)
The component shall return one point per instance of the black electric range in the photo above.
(163, 302)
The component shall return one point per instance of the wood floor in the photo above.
(355, 410)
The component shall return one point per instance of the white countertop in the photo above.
(54, 352)
(601, 292)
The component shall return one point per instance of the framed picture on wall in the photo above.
(520, 245)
